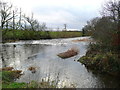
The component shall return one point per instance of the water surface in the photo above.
(42, 54)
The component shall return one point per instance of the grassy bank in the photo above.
(36, 35)
(101, 61)
(9, 77)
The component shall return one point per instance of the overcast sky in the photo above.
(55, 13)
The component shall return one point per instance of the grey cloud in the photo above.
(77, 18)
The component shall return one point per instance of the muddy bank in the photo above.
(82, 40)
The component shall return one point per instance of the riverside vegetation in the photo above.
(9, 76)
(101, 61)
(11, 35)
(103, 53)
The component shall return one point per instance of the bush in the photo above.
(102, 62)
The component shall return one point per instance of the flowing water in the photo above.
(42, 54)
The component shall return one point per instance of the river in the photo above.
(42, 54)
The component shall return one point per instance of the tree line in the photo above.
(14, 18)
(105, 30)
(103, 55)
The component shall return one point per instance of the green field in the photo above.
(8, 35)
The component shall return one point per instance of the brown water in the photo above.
(42, 54)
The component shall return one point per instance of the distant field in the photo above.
(36, 35)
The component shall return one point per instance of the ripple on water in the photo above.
(42, 54)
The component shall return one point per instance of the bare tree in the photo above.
(20, 19)
(33, 22)
(18, 23)
(42, 27)
(13, 20)
(5, 13)
(112, 9)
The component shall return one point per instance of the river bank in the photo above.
(9, 76)
(101, 61)
(15, 35)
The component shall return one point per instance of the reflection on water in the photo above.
(42, 54)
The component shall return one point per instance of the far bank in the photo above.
(13, 35)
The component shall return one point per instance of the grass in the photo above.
(9, 76)
(32, 84)
(11, 35)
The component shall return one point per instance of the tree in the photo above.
(5, 13)
(90, 27)
(42, 27)
(112, 9)
(20, 19)
(83, 32)
(106, 29)
(102, 29)
(34, 24)
(8, 15)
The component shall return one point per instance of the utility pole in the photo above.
(58, 29)
(65, 27)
